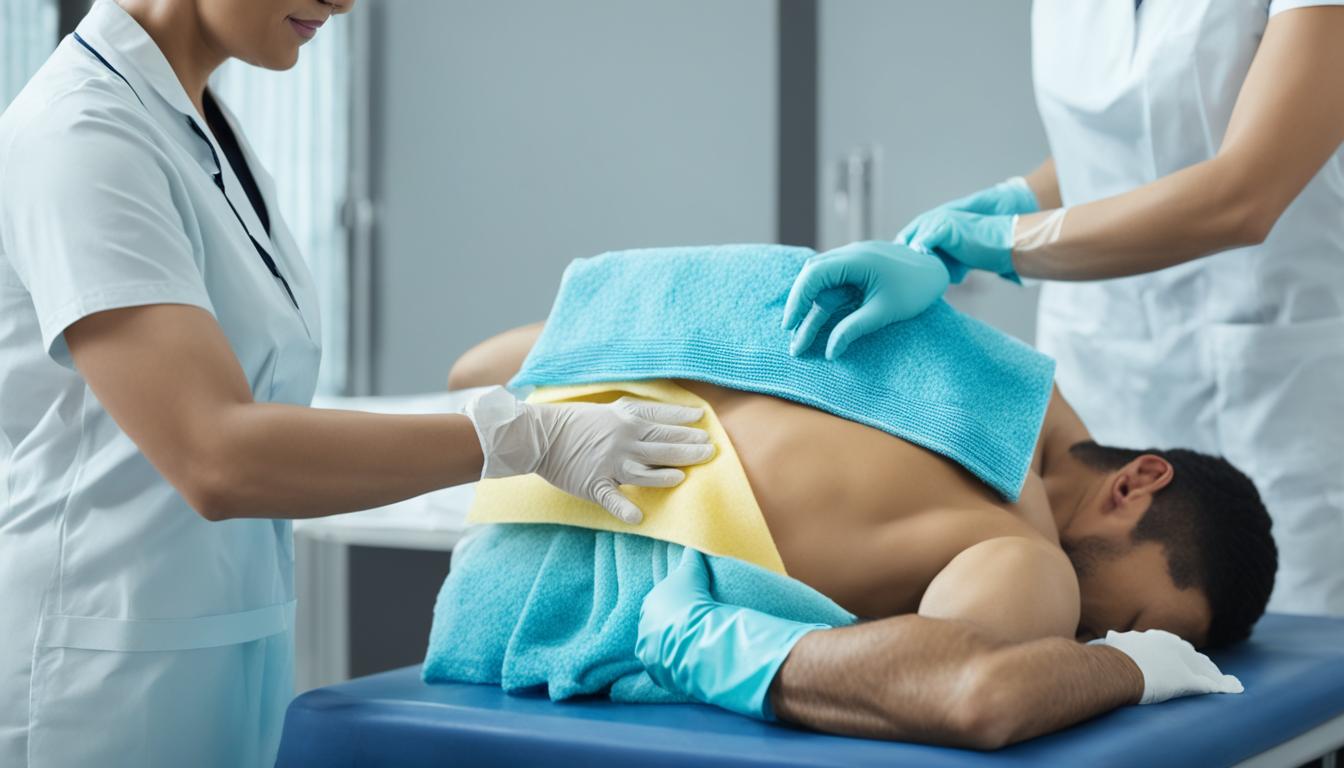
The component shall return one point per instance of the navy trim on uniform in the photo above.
(109, 66)
(218, 176)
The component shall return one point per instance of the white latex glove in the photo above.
(1171, 667)
(588, 449)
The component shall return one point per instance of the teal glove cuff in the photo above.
(956, 271)
(719, 654)
(1015, 196)
(729, 656)
(974, 240)
(975, 231)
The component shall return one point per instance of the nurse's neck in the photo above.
(176, 27)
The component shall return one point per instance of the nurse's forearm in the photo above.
(284, 461)
(1044, 185)
(1195, 212)
(1288, 121)
(169, 377)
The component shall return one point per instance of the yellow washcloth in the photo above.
(713, 510)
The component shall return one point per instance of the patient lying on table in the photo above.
(989, 595)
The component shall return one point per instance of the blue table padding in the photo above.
(1293, 668)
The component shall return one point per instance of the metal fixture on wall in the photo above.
(70, 13)
(796, 75)
(856, 191)
(322, 568)
(359, 211)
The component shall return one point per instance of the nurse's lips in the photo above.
(305, 27)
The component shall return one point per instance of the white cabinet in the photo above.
(921, 102)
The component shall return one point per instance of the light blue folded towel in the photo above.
(528, 606)
(941, 380)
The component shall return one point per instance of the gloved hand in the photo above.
(973, 240)
(588, 449)
(1007, 198)
(715, 653)
(1171, 667)
(1013, 196)
(896, 284)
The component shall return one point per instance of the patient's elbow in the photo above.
(470, 370)
(983, 715)
(459, 377)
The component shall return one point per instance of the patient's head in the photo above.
(1169, 539)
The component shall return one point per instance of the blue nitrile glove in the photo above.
(719, 654)
(896, 284)
(1006, 198)
(1000, 203)
(973, 240)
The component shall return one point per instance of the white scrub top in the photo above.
(1241, 353)
(134, 632)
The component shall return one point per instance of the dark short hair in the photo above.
(1214, 528)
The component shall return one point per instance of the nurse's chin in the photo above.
(278, 55)
(277, 60)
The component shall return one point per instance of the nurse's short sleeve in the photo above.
(1279, 6)
(91, 218)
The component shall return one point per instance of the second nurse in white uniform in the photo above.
(158, 349)
(1193, 234)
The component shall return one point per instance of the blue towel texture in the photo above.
(531, 606)
(941, 380)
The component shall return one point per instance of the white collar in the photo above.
(121, 40)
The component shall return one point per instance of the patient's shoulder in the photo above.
(1060, 429)
(1017, 587)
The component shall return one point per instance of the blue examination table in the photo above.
(1292, 711)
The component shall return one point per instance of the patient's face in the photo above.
(1127, 586)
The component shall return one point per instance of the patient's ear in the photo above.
(1132, 487)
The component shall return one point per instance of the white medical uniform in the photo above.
(1239, 354)
(132, 631)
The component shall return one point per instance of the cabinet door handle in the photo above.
(856, 195)
(872, 188)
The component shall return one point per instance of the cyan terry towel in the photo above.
(941, 380)
(527, 606)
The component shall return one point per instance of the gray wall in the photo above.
(945, 89)
(511, 136)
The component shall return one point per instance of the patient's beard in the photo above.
(1088, 552)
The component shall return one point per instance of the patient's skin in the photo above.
(864, 518)
(885, 527)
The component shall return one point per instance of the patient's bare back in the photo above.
(879, 525)
(865, 518)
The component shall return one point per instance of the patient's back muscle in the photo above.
(863, 517)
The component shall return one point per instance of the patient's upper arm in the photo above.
(1016, 588)
(495, 360)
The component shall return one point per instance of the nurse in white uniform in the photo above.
(1191, 220)
(158, 351)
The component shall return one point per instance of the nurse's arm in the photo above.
(1044, 183)
(1287, 122)
(168, 376)
(990, 660)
